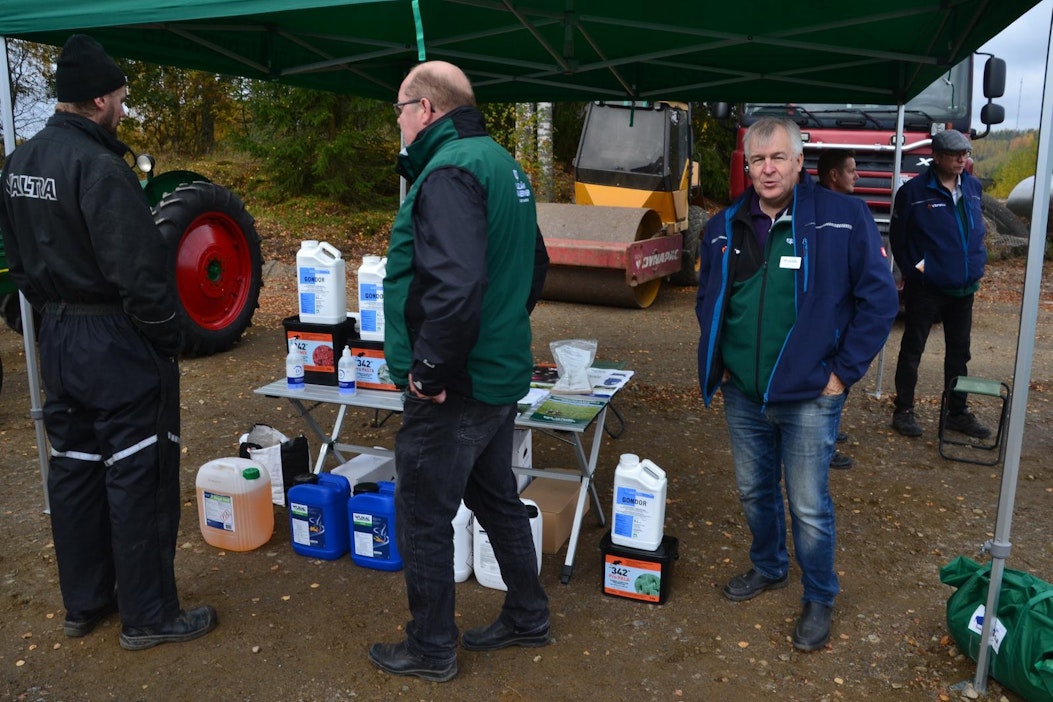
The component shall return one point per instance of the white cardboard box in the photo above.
(366, 468)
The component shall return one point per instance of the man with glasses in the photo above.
(937, 236)
(465, 265)
(795, 298)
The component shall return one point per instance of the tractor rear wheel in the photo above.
(217, 263)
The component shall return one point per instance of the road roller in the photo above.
(633, 224)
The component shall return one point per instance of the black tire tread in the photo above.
(176, 211)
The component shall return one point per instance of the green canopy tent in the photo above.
(548, 50)
(553, 50)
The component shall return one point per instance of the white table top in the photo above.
(390, 401)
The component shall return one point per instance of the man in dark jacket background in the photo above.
(937, 236)
(84, 250)
(460, 280)
(795, 299)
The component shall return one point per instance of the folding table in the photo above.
(591, 411)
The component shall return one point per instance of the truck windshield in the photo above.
(946, 100)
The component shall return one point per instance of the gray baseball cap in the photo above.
(951, 141)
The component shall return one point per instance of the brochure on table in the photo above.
(541, 405)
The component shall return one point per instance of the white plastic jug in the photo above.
(371, 298)
(639, 504)
(487, 570)
(234, 504)
(462, 544)
(321, 282)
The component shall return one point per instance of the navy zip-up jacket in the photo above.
(926, 226)
(845, 298)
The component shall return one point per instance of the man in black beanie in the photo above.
(84, 250)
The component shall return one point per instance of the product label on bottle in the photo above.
(346, 378)
(315, 288)
(487, 560)
(632, 511)
(219, 511)
(372, 537)
(308, 525)
(371, 308)
(627, 577)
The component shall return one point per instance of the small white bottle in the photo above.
(294, 366)
(346, 372)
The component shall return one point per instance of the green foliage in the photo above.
(1005, 158)
(714, 142)
(323, 144)
(179, 111)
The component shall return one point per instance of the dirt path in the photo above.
(297, 628)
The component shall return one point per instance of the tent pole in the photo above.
(1000, 546)
(7, 112)
(896, 175)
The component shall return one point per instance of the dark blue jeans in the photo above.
(443, 453)
(922, 307)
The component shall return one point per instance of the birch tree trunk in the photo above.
(545, 187)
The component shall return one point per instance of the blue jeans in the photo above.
(443, 453)
(789, 443)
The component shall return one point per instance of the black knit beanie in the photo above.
(85, 72)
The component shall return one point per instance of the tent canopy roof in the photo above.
(549, 50)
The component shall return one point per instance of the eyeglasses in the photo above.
(956, 154)
(399, 105)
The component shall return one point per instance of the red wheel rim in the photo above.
(213, 271)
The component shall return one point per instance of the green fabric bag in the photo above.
(1022, 655)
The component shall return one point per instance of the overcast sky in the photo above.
(1023, 45)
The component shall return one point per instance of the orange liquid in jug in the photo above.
(234, 513)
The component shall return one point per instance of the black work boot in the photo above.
(187, 626)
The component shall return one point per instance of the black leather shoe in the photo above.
(185, 627)
(398, 660)
(813, 628)
(497, 635)
(841, 461)
(77, 626)
(750, 584)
